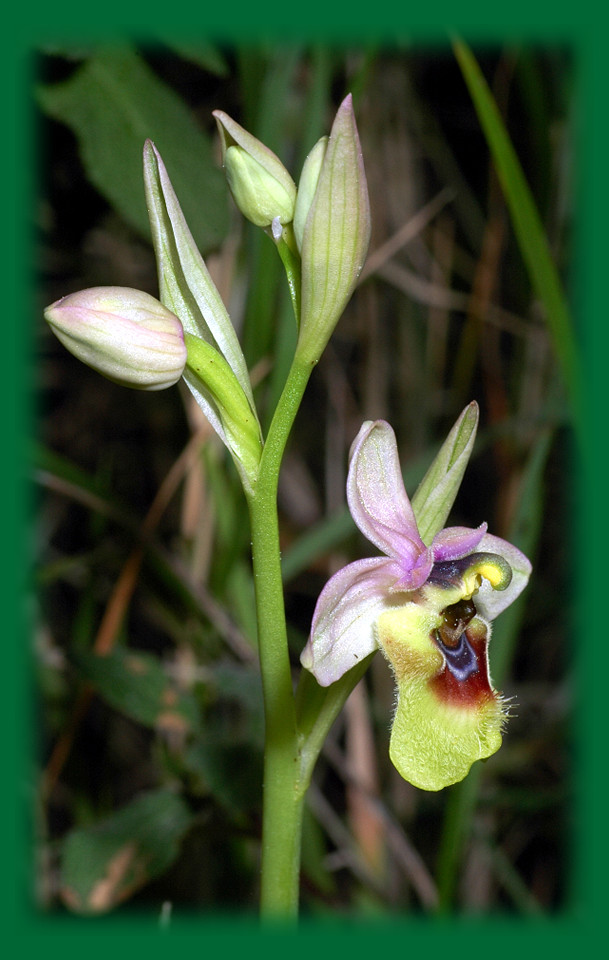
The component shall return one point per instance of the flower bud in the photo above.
(261, 186)
(124, 334)
(307, 185)
(335, 237)
(260, 197)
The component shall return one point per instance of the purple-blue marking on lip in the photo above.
(460, 659)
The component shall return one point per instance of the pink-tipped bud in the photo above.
(124, 334)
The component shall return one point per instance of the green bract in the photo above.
(187, 288)
(335, 235)
(239, 422)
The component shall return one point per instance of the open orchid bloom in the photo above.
(427, 607)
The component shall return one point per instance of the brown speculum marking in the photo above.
(455, 619)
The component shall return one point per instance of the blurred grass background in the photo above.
(148, 715)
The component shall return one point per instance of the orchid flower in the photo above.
(427, 607)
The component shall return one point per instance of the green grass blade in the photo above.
(526, 221)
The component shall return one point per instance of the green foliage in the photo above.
(108, 862)
(113, 103)
(205, 55)
(530, 233)
(138, 686)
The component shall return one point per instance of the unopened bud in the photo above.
(124, 334)
(261, 186)
(307, 185)
(259, 196)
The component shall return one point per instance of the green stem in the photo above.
(291, 262)
(282, 798)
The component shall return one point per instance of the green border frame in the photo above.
(579, 925)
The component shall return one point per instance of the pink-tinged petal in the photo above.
(490, 603)
(342, 632)
(452, 543)
(415, 576)
(377, 499)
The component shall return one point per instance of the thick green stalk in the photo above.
(282, 798)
